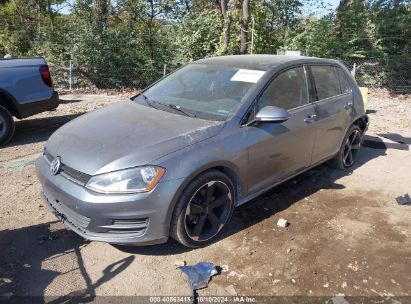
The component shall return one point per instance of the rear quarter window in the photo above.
(326, 81)
(344, 83)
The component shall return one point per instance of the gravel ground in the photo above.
(347, 234)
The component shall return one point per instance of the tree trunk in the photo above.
(101, 8)
(50, 13)
(343, 4)
(151, 39)
(188, 8)
(227, 24)
(244, 27)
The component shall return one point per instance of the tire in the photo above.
(6, 126)
(348, 153)
(203, 210)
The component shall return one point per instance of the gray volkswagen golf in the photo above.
(177, 158)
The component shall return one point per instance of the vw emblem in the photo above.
(55, 165)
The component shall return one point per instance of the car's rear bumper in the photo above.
(32, 108)
(135, 219)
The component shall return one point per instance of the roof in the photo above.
(261, 62)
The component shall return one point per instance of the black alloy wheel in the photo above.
(203, 209)
(208, 211)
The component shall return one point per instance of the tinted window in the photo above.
(345, 85)
(288, 90)
(326, 81)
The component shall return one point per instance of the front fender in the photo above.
(225, 152)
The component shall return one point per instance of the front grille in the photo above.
(74, 175)
(69, 173)
(115, 231)
(81, 222)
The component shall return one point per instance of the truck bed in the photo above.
(23, 88)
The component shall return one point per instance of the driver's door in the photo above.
(279, 150)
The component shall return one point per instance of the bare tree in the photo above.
(244, 27)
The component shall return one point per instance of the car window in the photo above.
(288, 90)
(345, 85)
(208, 90)
(326, 81)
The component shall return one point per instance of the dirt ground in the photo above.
(347, 234)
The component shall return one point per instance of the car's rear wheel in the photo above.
(349, 150)
(6, 126)
(203, 210)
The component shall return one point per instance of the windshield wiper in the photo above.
(148, 102)
(170, 105)
(178, 108)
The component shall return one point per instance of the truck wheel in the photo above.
(203, 210)
(349, 150)
(6, 126)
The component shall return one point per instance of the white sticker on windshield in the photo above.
(248, 75)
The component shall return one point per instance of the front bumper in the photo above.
(134, 219)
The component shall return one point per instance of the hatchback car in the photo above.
(177, 158)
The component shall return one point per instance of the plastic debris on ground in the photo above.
(199, 275)
(180, 263)
(225, 268)
(404, 200)
(282, 223)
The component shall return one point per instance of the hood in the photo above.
(125, 135)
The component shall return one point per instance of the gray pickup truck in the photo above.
(26, 88)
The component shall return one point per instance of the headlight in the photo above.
(140, 179)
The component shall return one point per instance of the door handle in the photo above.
(310, 119)
(348, 106)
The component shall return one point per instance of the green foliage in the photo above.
(110, 40)
(317, 39)
(276, 21)
(196, 38)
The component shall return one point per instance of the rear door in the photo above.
(279, 150)
(333, 108)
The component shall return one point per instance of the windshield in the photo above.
(203, 90)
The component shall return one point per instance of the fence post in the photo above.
(165, 70)
(70, 75)
(354, 69)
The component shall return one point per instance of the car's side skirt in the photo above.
(251, 196)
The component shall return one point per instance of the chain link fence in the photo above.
(391, 73)
(72, 77)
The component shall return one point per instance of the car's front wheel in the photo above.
(6, 126)
(203, 210)
(349, 150)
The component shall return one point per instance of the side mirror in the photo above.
(271, 114)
